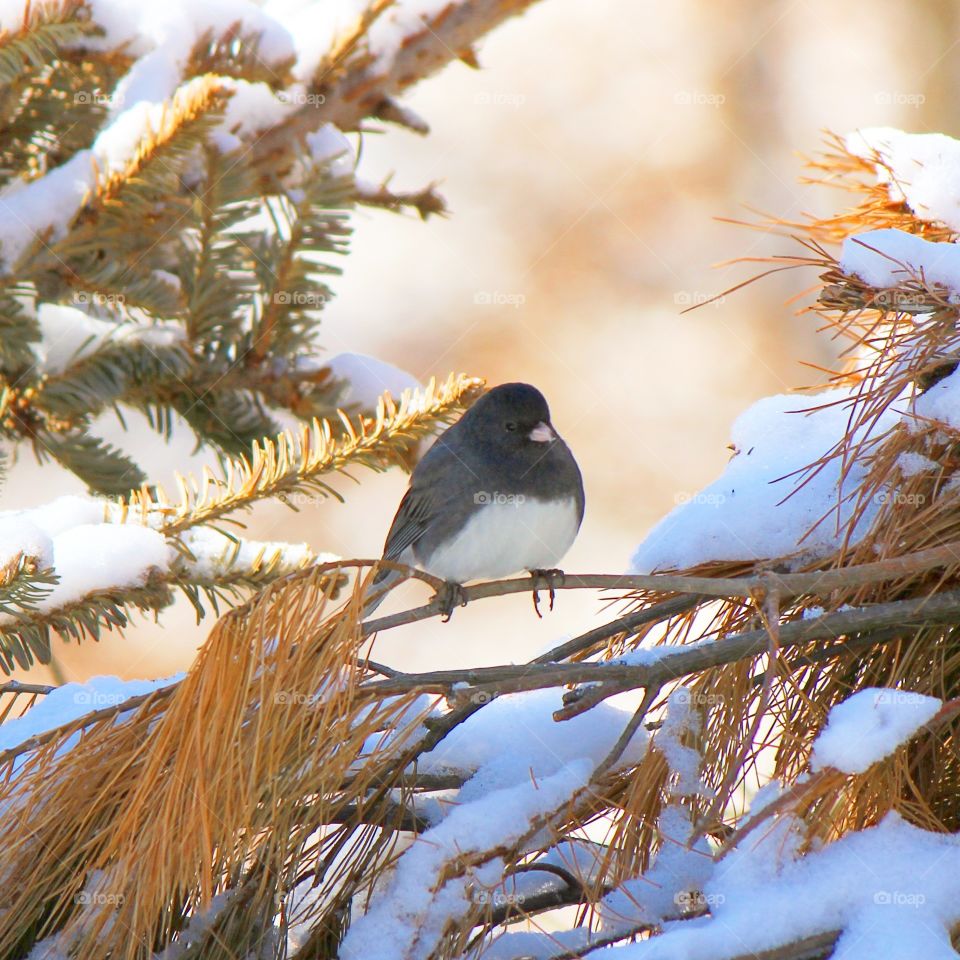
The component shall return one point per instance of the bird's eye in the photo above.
(511, 426)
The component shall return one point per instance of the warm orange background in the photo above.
(583, 166)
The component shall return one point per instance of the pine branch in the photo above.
(354, 85)
(147, 189)
(221, 281)
(298, 464)
(23, 584)
(786, 585)
(426, 202)
(100, 465)
(672, 663)
(19, 333)
(28, 639)
(45, 30)
(120, 370)
(290, 272)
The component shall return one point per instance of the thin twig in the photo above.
(17, 687)
(786, 584)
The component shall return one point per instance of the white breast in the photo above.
(503, 538)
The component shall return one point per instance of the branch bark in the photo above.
(673, 663)
(364, 86)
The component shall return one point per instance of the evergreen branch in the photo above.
(213, 567)
(28, 638)
(290, 464)
(46, 28)
(426, 201)
(124, 369)
(291, 272)
(17, 687)
(757, 586)
(14, 690)
(220, 282)
(146, 191)
(355, 85)
(18, 334)
(101, 466)
(23, 585)
(82, 723)
(232, 420)
(183, 126)
(236, 53)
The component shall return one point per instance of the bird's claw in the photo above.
(553, 577)
(450, 596)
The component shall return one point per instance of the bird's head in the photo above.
(513, 415)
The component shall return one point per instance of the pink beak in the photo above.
(542, 433)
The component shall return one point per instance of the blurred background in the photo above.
(584, 166)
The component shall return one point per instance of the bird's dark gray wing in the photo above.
(439, 480)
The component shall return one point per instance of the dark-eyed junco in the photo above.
(498, 493)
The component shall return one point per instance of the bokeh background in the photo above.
(586, 166)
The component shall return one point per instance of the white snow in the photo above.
(941, 402)
(86, 553)
(886, 258)
(524, 765)
(913, 464)
(921, 168)
(407, 917)
(69, 334)
(893, 889)
(761, 506)
(329, 145)
(252, 107)
(92, 557)
(316, 27)
(216, 554)
(18, 536)
(71, 701)
(537, 742)
(365, 378)
(869, 726)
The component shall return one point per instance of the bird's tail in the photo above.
(379, 590)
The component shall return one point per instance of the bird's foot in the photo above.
(450, 596)
(554, 577)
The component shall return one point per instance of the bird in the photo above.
(498, 493)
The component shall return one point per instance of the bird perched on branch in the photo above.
(498, 493)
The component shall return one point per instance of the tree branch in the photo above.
(670, 663)
(350, 92)
(787, 585)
